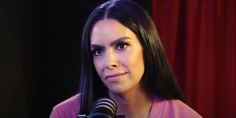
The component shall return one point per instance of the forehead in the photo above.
(109, 29)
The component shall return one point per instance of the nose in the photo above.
(111, 60)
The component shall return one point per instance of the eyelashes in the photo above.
(97, 51)
(122, 45)
(119, 47)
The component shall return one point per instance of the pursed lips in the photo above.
(115, 75)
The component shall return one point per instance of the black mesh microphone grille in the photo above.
(104, 108)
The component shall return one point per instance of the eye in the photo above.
(97, 51)
(122, 45)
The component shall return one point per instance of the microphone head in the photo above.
(103, 108)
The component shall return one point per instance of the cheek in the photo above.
(135, 62)
(138, 65)
(97, 65)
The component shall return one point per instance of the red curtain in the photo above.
(199, 37)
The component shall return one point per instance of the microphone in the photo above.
(103, 108)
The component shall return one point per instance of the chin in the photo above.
(116, 90)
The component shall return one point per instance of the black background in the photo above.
(40, 53)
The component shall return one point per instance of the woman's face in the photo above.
(117, 56)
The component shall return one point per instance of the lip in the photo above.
(115, 75)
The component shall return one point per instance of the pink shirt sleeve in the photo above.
(66, 109)
(172, 109)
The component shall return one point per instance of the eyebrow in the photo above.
(115, 42)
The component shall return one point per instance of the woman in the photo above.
(123, 58)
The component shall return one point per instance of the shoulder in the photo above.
(172, 108)
(68, 108)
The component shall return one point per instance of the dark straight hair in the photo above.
(158, 79)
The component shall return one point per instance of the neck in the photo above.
(133, 104)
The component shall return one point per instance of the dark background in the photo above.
(40, 53)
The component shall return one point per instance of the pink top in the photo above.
(160, 109)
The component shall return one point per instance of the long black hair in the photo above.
(158, 79)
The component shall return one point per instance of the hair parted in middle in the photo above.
(158, 79)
